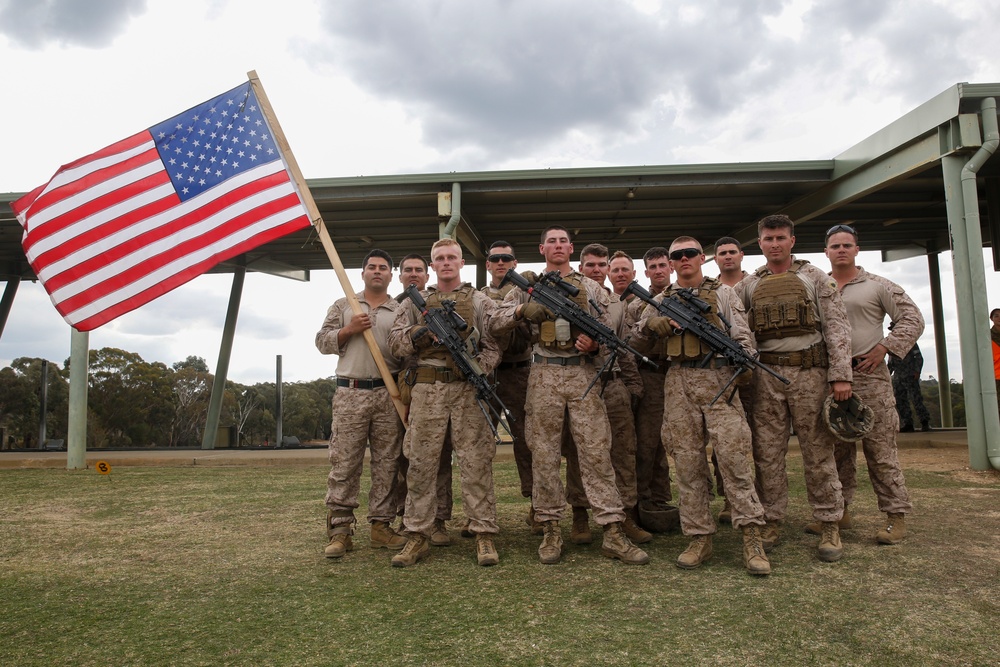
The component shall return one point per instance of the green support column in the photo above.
(9, 292)
(970, 295)
(76, 430)
(222, 368)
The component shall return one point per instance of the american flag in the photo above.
(122, 226)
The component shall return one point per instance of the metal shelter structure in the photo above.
(922, 185)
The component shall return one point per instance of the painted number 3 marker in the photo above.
(103, 467)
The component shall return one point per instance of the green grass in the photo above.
(224, 566)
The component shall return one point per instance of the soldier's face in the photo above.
(658, 272)
(729, 257)
(556, 248)
(594, 267)
(689, 259)
(504, 261)
(412, 272)
(776, 244)
(622, 273)
(841, 249)
(447, 262)
(376, 274)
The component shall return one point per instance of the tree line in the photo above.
(135, 403)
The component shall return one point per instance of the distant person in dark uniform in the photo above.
(906, 386)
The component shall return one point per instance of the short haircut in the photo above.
(621, 254)
(993, 312)
(656, 252)
(414, 255)
(687, 239)
(546, 231)
(502, 244)
(440, 243)
(594, 250)
(377, 253)
(728, 240)
(776, 221)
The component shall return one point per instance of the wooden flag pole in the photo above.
(324, 237)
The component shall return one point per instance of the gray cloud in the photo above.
(499, 79)
(34, 24)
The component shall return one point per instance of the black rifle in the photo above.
(551, 291)
(445, 323)
(687, 310)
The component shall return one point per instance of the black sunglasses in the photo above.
(500, 258)
(690, 253)
(836, 229)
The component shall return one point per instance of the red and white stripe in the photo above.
(108, 233)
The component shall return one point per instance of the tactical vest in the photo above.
(560, 334)
(516, 341)
(688, 346)
(780, 305)
(464, 308)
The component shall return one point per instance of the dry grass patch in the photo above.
(224, 566)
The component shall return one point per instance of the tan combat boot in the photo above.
(636, 533)
(580, 532)
(894, 531)
(770, 535)
(816, 527)
(536, 526)
(617, 545)
(830, 549)
(382, 535)
(726, 513)
(486, 553)
(551, 548)
(340, 542)
(417, 547)
(439, 535)
(699, 551)
(753, 551)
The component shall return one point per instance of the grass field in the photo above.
(224, 566)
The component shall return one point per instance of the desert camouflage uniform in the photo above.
(778, 406)
(361, 417)
(557, 380)
(652, 469)
(868, 299)
(617, 388)
(445, 499)
(512, 386)
(692, 424)
(447, 405)
(906, 387)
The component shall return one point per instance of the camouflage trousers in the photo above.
(362, 418)
(652, 469)
(879, 447)
(691, 425)
(618, 403)
(554, 397)
(776, 407)
(436, 410)
(445, 498)
(743, 394)
(511, 389)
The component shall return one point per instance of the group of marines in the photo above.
(822, 333)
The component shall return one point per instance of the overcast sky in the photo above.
(368, 87)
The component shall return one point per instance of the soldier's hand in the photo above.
(358, 323)
(530, 276)
(536, 312)
(745, 378)
(421, 337)
(661, 326)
